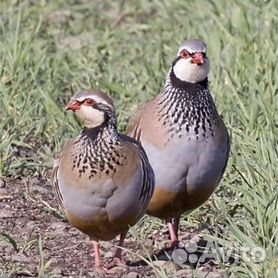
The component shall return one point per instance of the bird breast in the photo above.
(100, 185)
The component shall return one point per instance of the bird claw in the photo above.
(115, 262)
(101, 270)
(172, 244)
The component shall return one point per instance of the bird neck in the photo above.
(194, 93)
(97, 150)
(106, 131)
(185, 107)
(186, 94)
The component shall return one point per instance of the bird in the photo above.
(102, 179)
(184, 137)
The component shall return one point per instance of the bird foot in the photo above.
(172, 244)
(107, 269)
(115, 262)
(101, 270)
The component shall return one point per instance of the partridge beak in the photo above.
(73, 106)
(198, 58)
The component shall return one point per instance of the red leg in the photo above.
(98, 265)
(97, 254)
(173, 231)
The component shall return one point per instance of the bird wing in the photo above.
(148, 177)
(228, 149)
(133, 127)
(55, 182)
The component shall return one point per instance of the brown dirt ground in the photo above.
(36, 240)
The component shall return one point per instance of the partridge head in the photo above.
(192, 64)
(92, 107)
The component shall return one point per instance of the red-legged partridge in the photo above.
(102, 179)
(184, 137)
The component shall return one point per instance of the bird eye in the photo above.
(89, 102)
(184, 54)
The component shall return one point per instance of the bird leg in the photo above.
(117, 259)
(118, 253)
(176, 224)
(97, 254)
(98, 265)
(173, 226)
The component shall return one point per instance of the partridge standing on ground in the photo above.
(184, 137)
(102, 179)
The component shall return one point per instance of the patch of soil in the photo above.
(35, 240)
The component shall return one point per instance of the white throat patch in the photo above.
(193, 73)
(89, 116)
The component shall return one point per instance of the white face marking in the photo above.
(193, 73)
(89, 116)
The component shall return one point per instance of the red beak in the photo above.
(198, 58)
(73, 106)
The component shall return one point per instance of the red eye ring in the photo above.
(184, 54)
(89, 102)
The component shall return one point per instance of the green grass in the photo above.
(125, 48)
